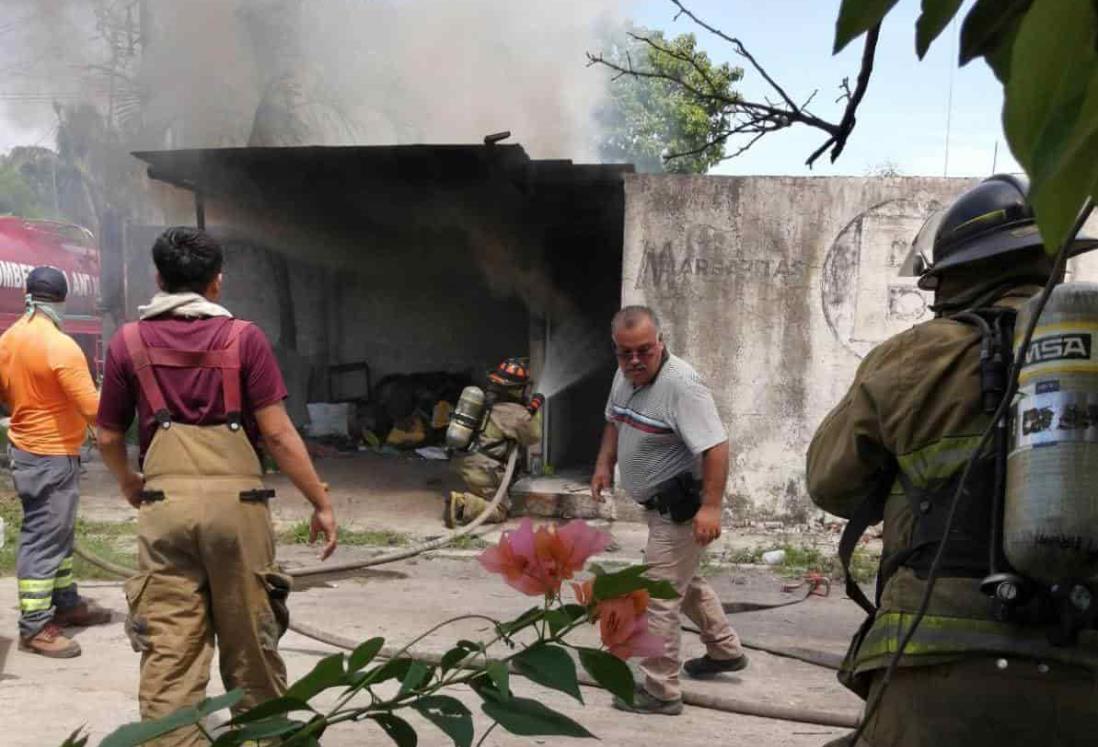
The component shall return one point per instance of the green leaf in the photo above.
(525, 620)
(328, 672)
(609, 671)
(999, 57)
(1051, 110)
(418, 672)
(145, 731)
(399, 730)
(563, 616)
(76, 739)
(501, 678)
(856, 17)
(661, 590)
(455, 656)
(935, 17)
(394, 669)
(364, 654)
(550, 666)
(597, 569)
(613, 585)
(448, 714)
(275, 707)
(272, 727)
(987, 24)
(529, 718)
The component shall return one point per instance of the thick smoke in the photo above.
(327, 72)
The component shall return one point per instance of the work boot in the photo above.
(83, 615)
(452, 509)
(49, 641)
(645, 703)
(473, 506)
(707, 666)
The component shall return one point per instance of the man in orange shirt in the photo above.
(46, 385)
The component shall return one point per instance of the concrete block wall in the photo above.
(775, 288)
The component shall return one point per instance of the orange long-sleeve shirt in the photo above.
(47, 387)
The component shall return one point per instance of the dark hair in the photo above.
(187, 259)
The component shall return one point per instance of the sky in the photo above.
(902, 119)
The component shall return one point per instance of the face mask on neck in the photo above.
(53, 310)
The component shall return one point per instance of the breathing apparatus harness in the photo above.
(1009, 590)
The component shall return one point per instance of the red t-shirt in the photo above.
(193, 395)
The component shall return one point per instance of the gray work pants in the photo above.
(48, 487)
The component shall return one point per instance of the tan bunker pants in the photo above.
(207, 572)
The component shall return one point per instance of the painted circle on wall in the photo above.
(865, 294)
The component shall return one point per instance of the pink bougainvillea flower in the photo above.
(580, 541)
(623, 626)
(514, 558)
(585, 592)
(537, 562)
(564, 551)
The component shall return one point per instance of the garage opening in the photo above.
(424, 265)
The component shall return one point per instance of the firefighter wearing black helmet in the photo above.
(511, 422)
(894, 448)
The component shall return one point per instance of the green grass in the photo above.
(802, 558)
(110, 540)
(469, 542)
(298, 534)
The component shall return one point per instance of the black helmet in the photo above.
(47, 284)
(989, 220)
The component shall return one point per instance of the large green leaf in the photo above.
(275, 707)
(131, 735)
(563, 616)
(986, 25)
(858, 16)
(364, 654)
(456, 655)
(417, 674)
(550, 666)
(394, 669)
(276, 726)
(328, 672)
(609, 671)
(1051, 110)
(501, 678)
(612, 585)
(529, 718)
(448, 714)
(935, 17)
(525, 620)
(399, 730)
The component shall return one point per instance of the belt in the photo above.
(151, 496)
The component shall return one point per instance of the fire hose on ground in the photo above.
(703, 700)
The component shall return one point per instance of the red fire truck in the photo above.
(26, 244)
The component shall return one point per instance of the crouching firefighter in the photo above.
(487, 426)
(205, 387)
(996, 660)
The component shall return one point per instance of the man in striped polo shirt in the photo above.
(664, 433)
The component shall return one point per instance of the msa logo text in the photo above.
(1058, 348)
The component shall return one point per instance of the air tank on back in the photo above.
(465, 422)
(1050, 514)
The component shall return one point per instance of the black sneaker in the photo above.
(645, 703)
(706, 666)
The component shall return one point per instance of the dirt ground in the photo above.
(42, 701)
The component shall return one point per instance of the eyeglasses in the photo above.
(642, 353)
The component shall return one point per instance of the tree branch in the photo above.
(754, 118)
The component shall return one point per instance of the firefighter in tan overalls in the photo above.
(205, 387)
(511, 423)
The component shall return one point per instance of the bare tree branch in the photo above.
(754, 118)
